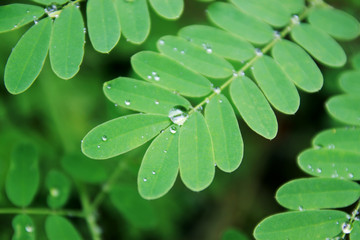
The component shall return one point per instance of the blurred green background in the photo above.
(56, 114)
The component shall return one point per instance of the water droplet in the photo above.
(175, 49)
(220, 101)
(154, 73)
(84, 29)
(235, 74)
(331, 146)
(242, 74)
(173, 129)
(207, 48)
(127, 102)
(77, 5)
(27, 11)
(29, 228)
(104, 138)
(15, 26)
(252, 68)
(319, 170)
(215, 164)
(178, 115)
(258, 52)
(149, 77)
(217, 90)
(182, 52)
(295, 19)
(355, 212)
(157, 78)
(351, 175)
(277, 34)
(108, 86)
(161, 42)
(142, 137)
(346, 228)
(116, 105)
(165, 151)
(301, 208)
(207, 100)
(54, 192)
(157, 102)
(309, 166)
(145, 179)
(36, 22)
(98, 146)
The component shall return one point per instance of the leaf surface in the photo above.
(195, 58)
(293, 6)
(24, 228)
(59, 188)
(170, 9)
(28, 57)
(225, 133)
(48, 2)
(253, 107)
(165, 72)
(67, 43)
(122, 134)
(103, 25)
(350, 82)
(59, 228)
(345, 108)
(196, 157)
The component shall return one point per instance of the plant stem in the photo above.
(352, 218)
(42, 211)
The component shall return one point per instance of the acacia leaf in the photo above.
(225, 133)
(48, 2)
(16, 15)
(59, 228)
(316, 193)
(298, 66)
(28, 57)
(345, 108)
(122, 134)
(59, 188)
(24, 228)
(103, 25)
(350, 82)
(196, 157)
(170, 9)
(195, 58)
(160, 165)
(165, 72)
(276, 86)
(67, 42)
(229, 18)
(22, 180)
(293, 6)
(253, 107)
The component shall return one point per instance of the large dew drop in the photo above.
(178, 115)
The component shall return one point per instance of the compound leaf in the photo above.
(298, 66)
(195, 58)
(103, 25)
(336, 23)
(142, 96)
(24, 228)
(16, 15)
(350, 82)
(22, 180)
(316, 193)
(319, 44)
(59, 228)
(225, 133)
(165, 72)
(253, 107)
(221, 42)
(330, 163)
(27, 58)
(134, 19)
(278, 89)
(160, 165)
(122, 134)
(196, 157)
(170, 9)
(59, 188)
(245, 26)
(67, 42)
(301, 225)
(345, 108)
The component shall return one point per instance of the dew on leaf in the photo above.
(277, 34)
(29, 229)
(145, 179)
(98, 146)
(301, 208)
(178, 115)
(127, 102)
(351, 175)
(104, 138)
(108, 86)
(149, 77)
(346, 228)
(295, 19)
(319, 170)
(157, 78)
(54, 192)
(173, 129)
(157, 102)
(161, 42)
(153, 172)
(258, 52)
(217, 90)
(331, 146)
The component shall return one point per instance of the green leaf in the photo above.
(298, 66)
(345, 108)
(196, 157)
(59, 228)
(269, 11)
(24, 228)
(225, 133)
(59, 188)
(330, 163)
(137, 211)
(67, 42)
(171, 9)
(336, 23)
(355, 233)
(222, 43)
(253, 107)
(14, 16)
(293, 6)
(165, 72)
(48, 2)
(350, 82)
(122, 134)
(301, 225)
(233, 20)
(160, 165)
(22, 180)
(339, 138)
(355, 60)
(79, 167)
(278, 89)
(232, 234)
(142, 96)
(28, 57)
(315, 193)
(134, 19)
(319, 44)
(103, 25)
(197, 59)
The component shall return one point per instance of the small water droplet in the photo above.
(15, 26)
(153, 172)
(145, 179)
(242, 74)
(301, 208)
(98, 146)
(277, 34)
(235, 74)
(29, 228)
(108, 86)
(104, 138)
(207, 100)
(182, 52)
(220, 101)
(319, 170)
(157, 102)
(178, 115)
(331, 146)
(116, 105)
(258, 52)
(36, 22)
(165, 151)
(154, 73)
(142, 137)
(207, 48)
(157, 78)
(54, 192)
(175, 49)
(309, 166)
(355, 212)
(127, 102)
(161, 42)
(84, 29)
(351, 175)
(337, 223)
(77, 5)
(346, 228)
(173, 129)
(295, 19)
(27, 11)
(149, 77)
(252, 68)
(217, 90)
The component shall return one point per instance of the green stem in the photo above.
(251, 62)
(89, 213)
(352, 218)
(42, 211)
